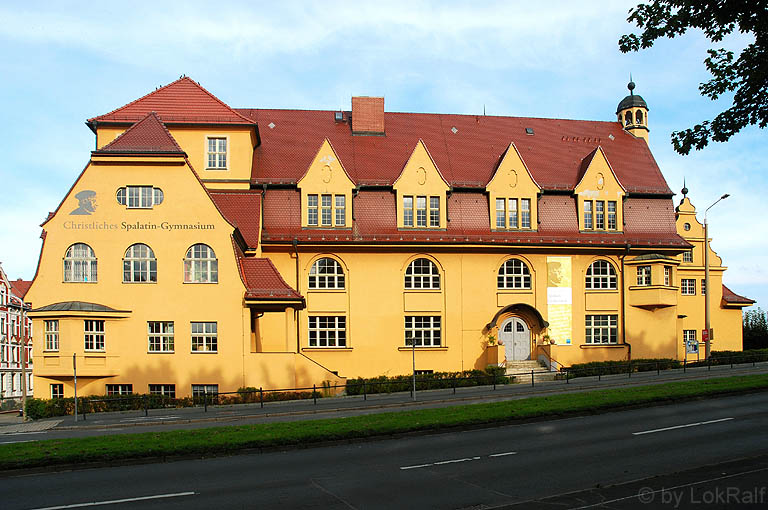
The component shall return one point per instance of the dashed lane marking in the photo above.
(118, 501)
(680, 426)
(454, 461)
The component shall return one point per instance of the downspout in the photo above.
(355, 191)
(624, 304)
(296, 252)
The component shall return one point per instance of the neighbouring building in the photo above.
(205, 247)
(15, 338)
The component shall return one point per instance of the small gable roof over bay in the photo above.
(148, 135)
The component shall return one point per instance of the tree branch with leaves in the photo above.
(746, 76)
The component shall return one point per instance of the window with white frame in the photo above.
(327, 331)
(688, 256)
(160, 336)
(199, 390)
(312, 210)
(94, 335)
(326, 273)
(601, 275)
(139, 264)
(165, 390)
(422, 274)
(217, 153)
(422, 331)
(644, 275)
(525, 213)
(599, 215)
(513, 213)
(501, 212)
(513, 274)
(80, 264)
(204, 337)
(119, 389)
(201, 265)
(688, 286)
(689, 335)
(326, 210)
(703, 287)
(587, 215)
(601, 329)
(57, 390)
(340, 210)
(52, 335)
(421, 211)
(139, 197)
(667, 275)
(611, 215)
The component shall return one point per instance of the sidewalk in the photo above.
(355, 405)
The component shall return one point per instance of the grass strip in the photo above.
(229, 439)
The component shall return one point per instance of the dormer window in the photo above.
(426, 213)
(513, 213)
(217, 153)
(600, 211)
(326, 210)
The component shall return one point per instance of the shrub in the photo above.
(594, 368)
(433, 381)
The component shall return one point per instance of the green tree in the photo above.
(746, 77)
(755, 329)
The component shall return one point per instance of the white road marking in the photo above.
(454, 461)
(118, 501)
(11, 442)
(503, 454)
(149, 418)
(680, 426)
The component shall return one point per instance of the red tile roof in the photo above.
(466, 158)
(243, 210)
(263, 281)
(148, 135)
(20, 287)
(182, 102)
(731, 297)
(649, 222)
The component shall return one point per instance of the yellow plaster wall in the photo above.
(512, 179)
(326, 175)
(600, 183)
(421, 177)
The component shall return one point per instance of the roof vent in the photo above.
(338, 116)
(454, 130)
(271, 125)
(611, 137)
(528, 131)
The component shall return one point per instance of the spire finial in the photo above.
(684, 191)
(631, 85)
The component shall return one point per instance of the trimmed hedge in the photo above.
(437, 380)
(726, 357)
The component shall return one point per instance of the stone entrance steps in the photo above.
(522, 371)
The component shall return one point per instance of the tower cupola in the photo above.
(632, 113)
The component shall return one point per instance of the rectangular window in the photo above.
(501, 213)
(57, 391)
(166, 390)
(688, 287)
(422, 331)
(643, 275)
(204, 337)
(667, 275)
(217, 153)
(611, 215)
(525, 213)
(512, 213)
(327, 331)
(688, 256)
(599, 215)
(587, 215)
(52, 335)
(119, 389)
(139, 197)
(434, 211)
(312, 210)
(408, 211)
(326, 210)
(703, 287)
(602, 329)
(421, 211)
(198, 390)
(689, 335)
(160, 336)
(341, 210)
(94, 335)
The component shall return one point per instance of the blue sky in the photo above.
(64, 62)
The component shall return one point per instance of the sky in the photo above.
(64, 62)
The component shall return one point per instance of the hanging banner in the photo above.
(559, 299)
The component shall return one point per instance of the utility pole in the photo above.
(707, 287)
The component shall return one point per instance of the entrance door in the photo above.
(516, 338)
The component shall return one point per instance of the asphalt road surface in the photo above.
(693, 450)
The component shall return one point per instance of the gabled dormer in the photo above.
(599, 195)
(421, 192)
(512, 194)
(326, 191)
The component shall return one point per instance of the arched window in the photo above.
(326, 273)
(200, 265)
(422, 274)
(638, 117)
(80, 264)
(139, 264)
(628, 118)
(514, 274)
(601, 275)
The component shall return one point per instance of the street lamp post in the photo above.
(707, 289)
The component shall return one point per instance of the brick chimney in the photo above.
(368, 115)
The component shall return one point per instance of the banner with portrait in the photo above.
(560, 299)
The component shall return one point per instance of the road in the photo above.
(567, 463)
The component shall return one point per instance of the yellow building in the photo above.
(210, 248)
